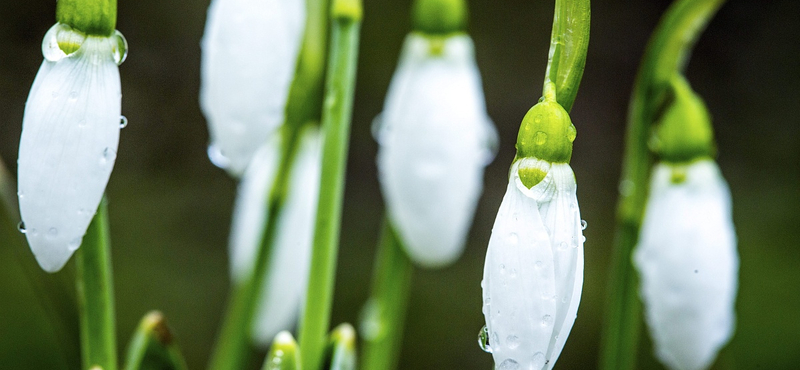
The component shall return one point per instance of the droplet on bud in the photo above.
(120, 47)
(483, 340)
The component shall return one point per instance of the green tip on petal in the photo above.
(439, 17)
(284, 353)
(343, 348)
(684, 133)
(92, 17)
(349, 10)
(546, 132)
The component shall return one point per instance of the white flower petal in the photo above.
(688, 264)
(250, 49)
(284, 286)
(434, 140)
(68, 146)
(532, 282)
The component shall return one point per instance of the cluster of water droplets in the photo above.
(62, 41)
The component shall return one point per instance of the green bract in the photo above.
(439, 17)
(684, 133)
(92, 17)
(546, 132)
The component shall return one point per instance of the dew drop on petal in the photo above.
(547, 320)
(21, 227)
(538, 264)
(562, 246)
(73, 96)
(508, 364)
(123, 121)
(119, 48)
(540, 138)
(483, 340)
(52, 233)
(74, 244)
(539, 360)
(108, 155)
(513, 239)
(584, 224)
(571, 133)
(512, 341)
(217, 157)
(82, 123)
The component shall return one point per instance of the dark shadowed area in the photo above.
(170, 208)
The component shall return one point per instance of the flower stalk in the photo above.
(96, 295)
(666, 54)
(569, 43)
(336, 117)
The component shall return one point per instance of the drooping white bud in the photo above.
(70, 133)
(435, 139)
(687, 261)
(284, 286)
(533, 274)
(250, 49)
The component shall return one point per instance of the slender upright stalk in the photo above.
(666, 54)
(96, 295)
(340, 83)
(386, 311)
(569, 42)
(232, 348)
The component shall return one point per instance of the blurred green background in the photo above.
(170, 208)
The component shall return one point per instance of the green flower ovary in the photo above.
(546, 132)
(439, 17)
(684, 133)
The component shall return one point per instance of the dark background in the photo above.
(170, 208)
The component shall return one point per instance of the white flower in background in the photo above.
(250, 49)
(533, 275)
(284, 287)
(687, 261)
(68, 146)
(435, 139)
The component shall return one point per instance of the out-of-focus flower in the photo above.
(284, 286)
(533, 274)
(435, 139)
(70, 133)
(250, 49)
(686, 255)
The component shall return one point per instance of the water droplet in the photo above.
(61, 41)
(52, 233)
(109, 155)
(21, 227)
(547, 320)
(73, 96)
(562, 246)
(540, 138)
(513, 239)
(370, 324)
(572, 132)
(538, 264)
(483, 340)
(512, 341)
(217, 157)
(508, 364)
(584, 224)
(538, 119)
(123, 121)
(20, 194)
(564, 299)
(119, 48)
(696, 271)
(538, 360)
(82, 123)
(512, 273)
(502, 268)
(74, 244)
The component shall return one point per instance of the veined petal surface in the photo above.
(688, 264)
(435, 139)
(284, 286)
(533, 274)
(249, 52)
(70, 134)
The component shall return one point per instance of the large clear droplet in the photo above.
(483, 339)
(123, 121)
(584, 224)
(21, 227)
(61, 41)
(508, 364)
(120, 47)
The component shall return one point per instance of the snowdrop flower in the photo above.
(250, 49)
(284, 287)
(533, 275)
(68, 146)
(434, 133)
(686, 255)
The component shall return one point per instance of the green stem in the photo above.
(569, 43)
(96, 295)
(666, 54)
(385, 314)
(336, 127)
(232, 349)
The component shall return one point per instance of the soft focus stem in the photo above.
(666, 54)
(569, 43)
(96, 294)
(153, 346)
(384, 317)
(336, 116)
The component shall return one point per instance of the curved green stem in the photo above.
(336, 117)
(569, 43)
(96, 295)
(382, 328)
(666, 54)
